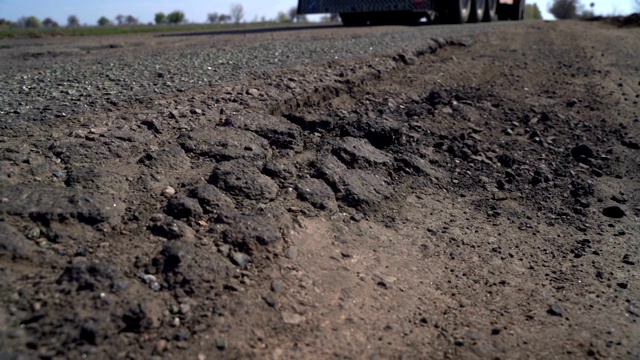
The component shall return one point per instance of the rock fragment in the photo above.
(243, 179)
(614, 212)
(317, 193)
(582, 153)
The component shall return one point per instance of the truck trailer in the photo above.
(384, 12)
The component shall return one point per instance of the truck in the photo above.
(387, 12)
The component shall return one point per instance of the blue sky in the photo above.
(88, 11)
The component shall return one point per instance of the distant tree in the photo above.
(282, 17)
(565, 9)
(120, 19)
(4, 24)
(72, 21)
(160, 18)
(175, 17)
(295, 17)
(130, 20)
(213, 18)
(237, 13)
(30, 22)
(224, 19)
(103, 21)
(49, 23)
(532, 12)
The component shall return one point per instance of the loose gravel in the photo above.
(76, 79)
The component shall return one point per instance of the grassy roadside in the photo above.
(140, 29)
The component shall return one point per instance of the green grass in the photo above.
(141, 29)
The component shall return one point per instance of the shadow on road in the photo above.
(253, 30)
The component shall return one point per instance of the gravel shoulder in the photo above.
(439, 192)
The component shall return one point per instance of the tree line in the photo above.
(574, 9)
(235, 16)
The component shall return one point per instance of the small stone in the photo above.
(623, 285)
(253, 92)
(628, 260)
(224, 249)
(292, 318)
(500, 196)
(270, 300)
(33, 233)
(619, 199)
(185, 308)
(357, 217)
(582, 153)
(160, 347)
(506, 160)
(182, 335)
(168, 191)
(277, 286)
(221, 343)
(291, 253)
(614, 212)
(181, 207)
(556, 310)
(633, 310)
(240, 259)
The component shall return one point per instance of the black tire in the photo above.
(517, 10)
(490, 10)
(353, 19)
(477, 10)
(511, 12)
(503, 11)
(456, 11)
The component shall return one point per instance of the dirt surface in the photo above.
(474, 197)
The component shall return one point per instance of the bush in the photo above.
(103, 21)
(565, 9)
(6, 24)
(175, 17)
(30, 22)
(160, 18)
(72, 21)
(49, 23)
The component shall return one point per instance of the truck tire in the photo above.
(353, 19)
(511, 12)
(490, 10)
(477, 10)
(455, 11)
(517, 10)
